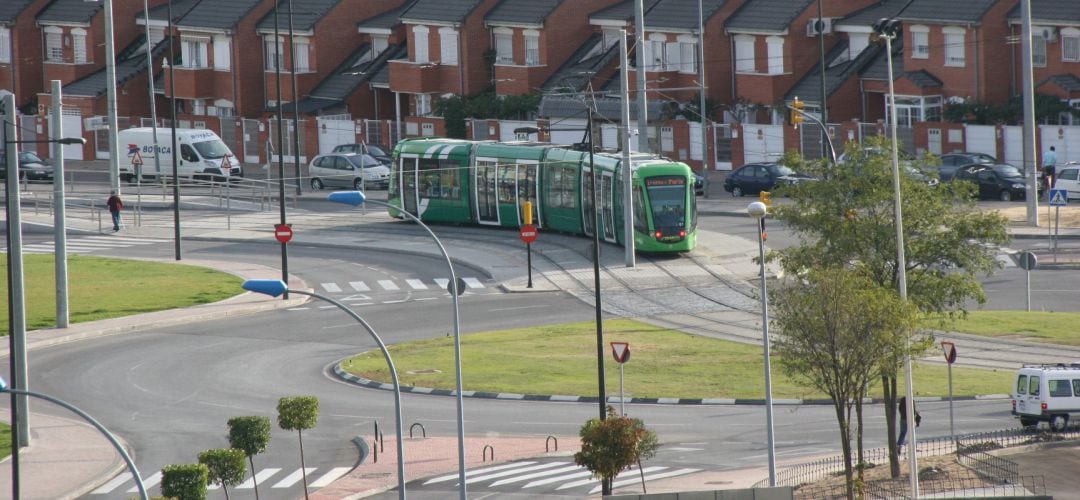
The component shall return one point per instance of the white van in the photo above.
(202, 155)
(1046, 393)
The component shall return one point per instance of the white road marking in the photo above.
(331, 287)
(584, 482)
(111, 485)
(291, 479)
(495, 475)
(388, 285)
(329, 477)
(359, 286)
(261, 477)
(485, 470)
(648, 477)
(580, 473)
(416, 284)
(473, 283)
(442, 282)
(148, 483)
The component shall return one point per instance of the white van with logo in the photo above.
(202, 155)
(1046, 393)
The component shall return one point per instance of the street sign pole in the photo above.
(622, 411)
(621, 352)
(1028, 261)
(950, 357)
(528, 250)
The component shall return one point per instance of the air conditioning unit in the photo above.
(1048, 34)
(825, 24)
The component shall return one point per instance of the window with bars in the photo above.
(776, 54)
(194, 52)
(275, 57)
(920, 41)
(448, 45)
(504, 46)
(301, 50)
(420, 42)
(1038, 50)
(688, 55)
(532, 48)
(5, 45)
(222, 52)
(955, 52)
(744, 54)
(54, 44)
(1070, 45)
(78, 42)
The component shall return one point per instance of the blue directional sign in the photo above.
(1059, 197)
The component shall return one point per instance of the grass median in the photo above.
(102, 288)
(1048, 327)
(561, 359)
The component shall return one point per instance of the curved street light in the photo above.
(758, 210)
(108, 435)
(276, 288)
(357, 198)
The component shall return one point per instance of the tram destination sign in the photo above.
(667, 180)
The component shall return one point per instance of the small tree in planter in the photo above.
(299, 413)
(225, 465)
(252, 435)
(608, 446)
(184, 481)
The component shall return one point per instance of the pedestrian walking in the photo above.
(903, 421)
(115, 205)
(1050, 166)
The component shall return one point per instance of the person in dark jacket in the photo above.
(115, 205)
(903, 421)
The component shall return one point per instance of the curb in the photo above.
(372, 384)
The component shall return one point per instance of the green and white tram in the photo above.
(487, 183)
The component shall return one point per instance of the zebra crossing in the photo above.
(90, 244)
(266, 479)
(553, 476)
(397, 285)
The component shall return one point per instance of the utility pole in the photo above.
(642, 97)
(1031, 166)
(701, 106)
(110, 80)
(628, 171)
(60, 212)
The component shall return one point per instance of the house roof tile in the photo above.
(306, 13)
(621, 12)
(161, 12)
(680, 14)
(216, 14)
(69, 11)
(447, 11)
(878, 68)
(837, 72)
(766, 16)
(10, 9)
(130, 63)
(532, 12)
(586, 61)
(1067, 82)
(946, 11)
(871, 14)
(922, 78)
(1054, 12)
(387, 20)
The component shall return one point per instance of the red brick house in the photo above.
(1055, 47)
(20, 49)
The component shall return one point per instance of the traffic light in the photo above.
(765, 197)
(797, 112)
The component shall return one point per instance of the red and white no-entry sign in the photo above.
(282, 232)
(528, 233)
(950, 351)
(621, 351)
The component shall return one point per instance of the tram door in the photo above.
(587, 197)
(487, 202)
(408, 184)
(606, 211)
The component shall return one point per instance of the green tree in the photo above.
(225, 466)
(296, 414)
(252, 435)
(832, 327)
(611, 445)
(848, 217)
(184, 481)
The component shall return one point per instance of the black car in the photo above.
(997, 181)
(376, 151)
(952, 161)
(31, 167)
(754, 178)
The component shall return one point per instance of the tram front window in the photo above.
(667, 197)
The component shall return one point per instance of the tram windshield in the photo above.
(667, 196)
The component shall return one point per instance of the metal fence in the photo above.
(971, 450)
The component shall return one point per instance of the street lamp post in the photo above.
(888, 29)
(357, 198)
(275, 288)
(101, 428)
(758, 210)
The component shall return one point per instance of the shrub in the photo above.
(184, 481)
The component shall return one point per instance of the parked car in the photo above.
(378, 152)
(952, 161)
(998, 181)
(1068, 178)
(349, 170)
(919, 174)
(754, 178)
(31, 167)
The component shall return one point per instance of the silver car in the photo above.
(348, 170)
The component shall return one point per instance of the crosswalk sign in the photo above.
(1059, 197)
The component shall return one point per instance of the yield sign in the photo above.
(1059, 197)
(949, 350)
(621, 351)
(136, 159)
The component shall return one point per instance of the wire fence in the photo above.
(989, 475)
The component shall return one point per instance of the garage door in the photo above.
(980, 139)
(762, 143)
